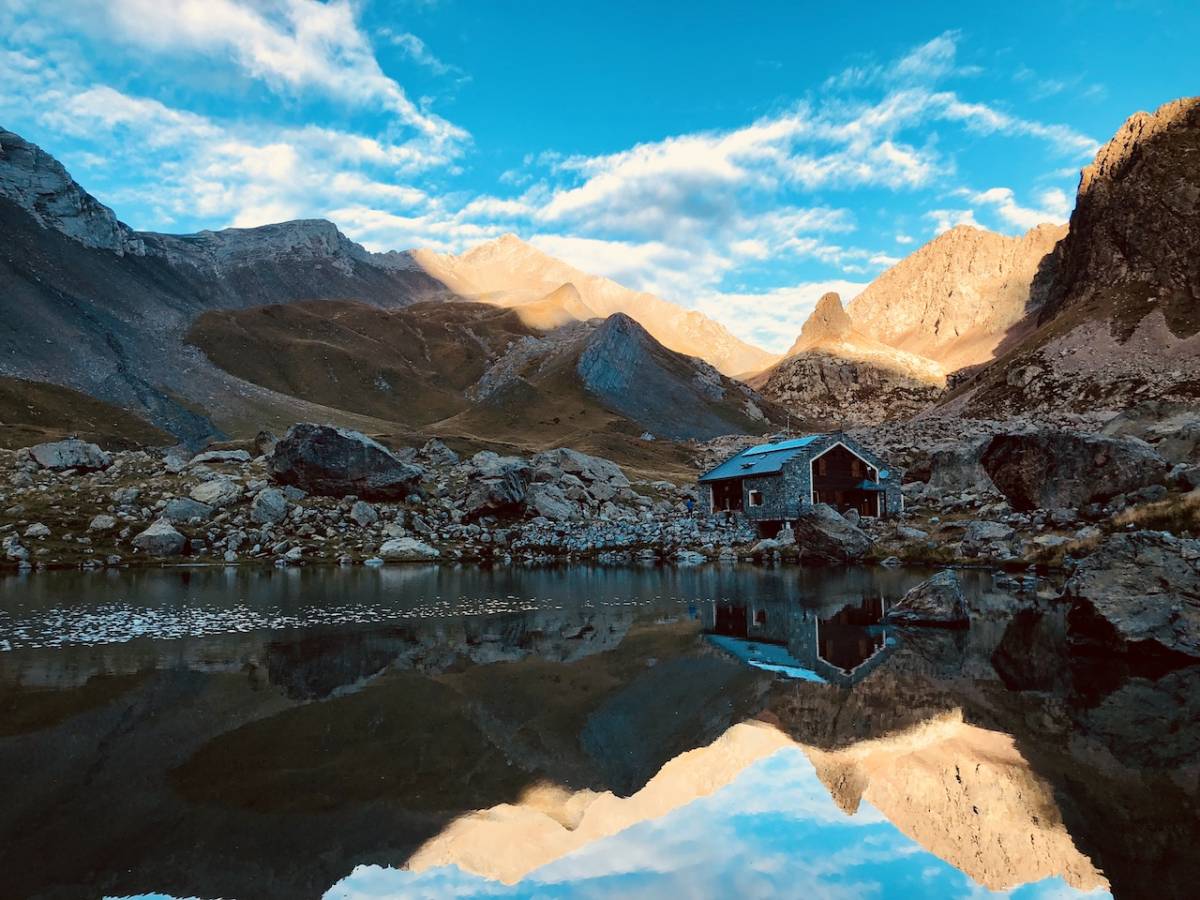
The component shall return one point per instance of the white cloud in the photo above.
(670, 271)
(903, 239)
(935, 60)
(1054, 207)
(772, 319)
(945, 219)
(416, 50)
(290, 45)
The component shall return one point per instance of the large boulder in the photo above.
(209, 457)
(185, 509)
(70, 454)
(549, 501)
(562, 460)
(160, 539)
(955, 466)
(1138, 594)
(335, 462)
(498, 485)
(407, 549)
(938, 601)
(1054, 468)
(270, 507)
(824, 536)
(217, 492)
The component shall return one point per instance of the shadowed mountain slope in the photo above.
(479, 371)
(1121, 316)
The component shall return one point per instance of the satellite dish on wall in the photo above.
(883, 473)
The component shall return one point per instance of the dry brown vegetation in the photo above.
(1178, 515)
(34, 411)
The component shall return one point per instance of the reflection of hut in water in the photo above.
(838, 647)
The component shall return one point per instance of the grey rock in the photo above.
(70, 454)
(992, 539)
(218, 492)
(1056, 468)
(220, 456)
(438, 453)
(907, 533)
(407, 549)
(938, 601)
(548, 500)
(1138, 594)
(184, 509)
(824, 536)
(269, 507)
(102, 523)
(589, 468)
(955, 466)
(335, 462)
(160, 539)
(363, 514)
(124, 497)
(37, 530)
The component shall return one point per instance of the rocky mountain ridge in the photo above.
(957, 298)
(837, 375)
(510, 272)
(1120, 321)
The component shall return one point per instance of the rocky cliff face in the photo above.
(1121, 315)
(956, 299)
(92, 305)
(835, 374)
(38, 183)
(509, 272)
(1134, 242)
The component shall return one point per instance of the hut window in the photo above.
(856, 468)
(822, 466)
(755, 498)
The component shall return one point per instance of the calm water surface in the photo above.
(574, 732)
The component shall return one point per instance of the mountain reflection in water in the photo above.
(574, 731)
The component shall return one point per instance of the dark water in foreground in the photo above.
(596, 732)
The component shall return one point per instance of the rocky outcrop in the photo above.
(1138, 594)
(956, 299)
(39, 184)
(498, 485)
(938, 601)
(1121, 315)
(336, 462)
(675, 396)
(1135, 231)
(836, 374)
(824, 536)
(1052, 469)
(70, 454)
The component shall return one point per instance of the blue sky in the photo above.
(773, 832)
(735, 158)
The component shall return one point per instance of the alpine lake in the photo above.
(576, 731)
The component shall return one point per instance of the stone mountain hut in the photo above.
(770, 484)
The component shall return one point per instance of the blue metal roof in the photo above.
(766, 656)
(791, 444)
(765, 459)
